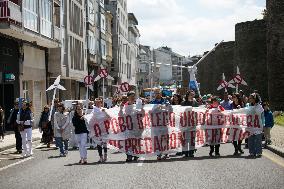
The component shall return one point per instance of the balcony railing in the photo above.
(57, 33)
(10, 12)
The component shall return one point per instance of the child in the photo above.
(269, 123)
(215, 105)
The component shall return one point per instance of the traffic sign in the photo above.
(103, 73)
(89, 80)
(125, 87)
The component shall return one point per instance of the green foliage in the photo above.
(279, 120)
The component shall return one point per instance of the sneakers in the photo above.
(66, 152)
(241, 151)
(235, 153)
(62, 155)
(217, 154)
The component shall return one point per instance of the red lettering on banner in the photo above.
(148, 145)
(140, 145)
(201, 120)
(240, 134)
(157, 146)
(97, 130)
(112, 143)
(172, 119)
(228, 132)
(200, 137)
(220, 119)
(191, 115)
(164, 138)
(127, 144)
(107, 125)
(183, 119)
(235, 119)
(206, 135)
(152, 120)
(227, 120)
(129, 123)
(146, 120)
(249, 120)
(209, 118)
(173, 139)
(222, 134)
(181, 139)
(140, 121)
(121, 124)
(192, 138)
(114, 125)
(165, 119)
(256, 121)
(158, 119)
(243, 119)
(119, 146)
(134, 146)
(234, 134)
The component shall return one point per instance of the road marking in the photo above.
(274, 158)
(141, 161)
(13, 164)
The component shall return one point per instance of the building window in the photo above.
(76, 54)
(91, 12)
(103, 23)
(75, 14)
(91, 42)
(25, 89)
(103, 46)
(30, 14)
(45, 18)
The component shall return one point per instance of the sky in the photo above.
(191, 27)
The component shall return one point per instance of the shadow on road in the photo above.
(167, 160)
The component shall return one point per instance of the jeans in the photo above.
(255, 144)
(82, 142)
(267, 134)
(26, 135)
(237, 145)
(60, 142)
(217, 146)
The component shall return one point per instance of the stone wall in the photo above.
(211, 68)
(275, 53)
(250, 56)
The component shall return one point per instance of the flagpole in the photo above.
(52, 104)
(103, 92)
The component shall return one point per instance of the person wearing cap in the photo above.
(13, 124)
(25, 122)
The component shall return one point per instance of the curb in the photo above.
(276, 150)
(14, 145)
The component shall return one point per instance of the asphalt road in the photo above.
(46, 170)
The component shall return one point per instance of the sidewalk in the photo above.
(277, 137)
(10, 141)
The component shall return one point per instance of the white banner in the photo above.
(164, 129)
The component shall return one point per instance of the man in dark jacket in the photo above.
(12, 121)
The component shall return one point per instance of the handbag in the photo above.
(21, 127)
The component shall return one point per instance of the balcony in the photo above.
(10, 12)
(57, 35)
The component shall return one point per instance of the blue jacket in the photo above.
(269, 121)
(161, 101)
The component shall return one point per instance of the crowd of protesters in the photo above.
(69, 128)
